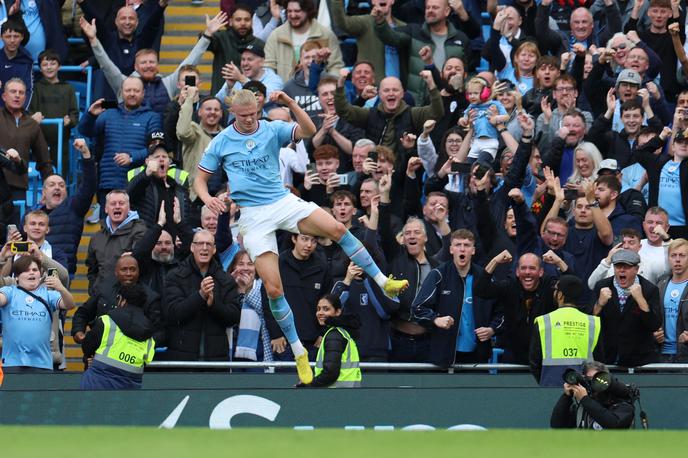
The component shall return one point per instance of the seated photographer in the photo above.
(606, 402)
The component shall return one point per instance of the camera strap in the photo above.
(39, 299)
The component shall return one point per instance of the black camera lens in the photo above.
(572, 377)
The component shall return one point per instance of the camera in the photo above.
(19, 247)
(603, 385)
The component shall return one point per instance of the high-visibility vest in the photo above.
(120, 351)
(349, 371)
(181, 176)
(567, 338)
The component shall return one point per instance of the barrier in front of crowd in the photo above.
(396, 397)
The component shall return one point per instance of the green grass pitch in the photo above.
(130, 442)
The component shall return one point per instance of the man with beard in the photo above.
(627, 305)
(126, 272)
(156, 252)
(227, 45)
(524, 297)
(607, 190)
(560, 153)
(451, 81)
(283, 44)
(565, 94)
(158, 90)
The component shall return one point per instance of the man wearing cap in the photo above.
(628, 305)
(634, 76)
(564, 338)
(252, 68)
(619, 144)
(668, 178)
(153, 188)
(631, 199)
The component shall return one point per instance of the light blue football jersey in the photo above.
(251, 161)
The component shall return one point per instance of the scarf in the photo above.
(252, 327)
(623, 293)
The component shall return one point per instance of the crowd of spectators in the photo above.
(479, 165)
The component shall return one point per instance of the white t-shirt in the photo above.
(655, 260)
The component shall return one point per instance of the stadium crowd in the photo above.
(480, 163)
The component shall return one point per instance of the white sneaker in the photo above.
(94, 217)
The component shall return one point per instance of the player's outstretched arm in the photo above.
(306, 127)
(201, 187)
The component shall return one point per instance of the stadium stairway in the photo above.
(183, 23)
(79, 289)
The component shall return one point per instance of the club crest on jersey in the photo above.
(250, 144)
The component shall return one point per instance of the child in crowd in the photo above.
(484, 113)
(53, 98)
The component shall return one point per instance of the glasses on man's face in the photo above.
(203, 244)
(565, 89)
(555, 234)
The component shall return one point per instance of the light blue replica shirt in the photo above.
(251, 161)
(26, 325)
(482, 126)
(32, 19)
(466, 341)
(670, 193)
(672, 300)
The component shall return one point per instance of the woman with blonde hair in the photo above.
(586, 163)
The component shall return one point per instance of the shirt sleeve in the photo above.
(500, 108)
(285, 131)
(211, 159)
(8, 291)
(54, 299)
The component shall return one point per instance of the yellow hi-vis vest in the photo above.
(349, 372)
(567, 337)
(181, 176)
(118, 350)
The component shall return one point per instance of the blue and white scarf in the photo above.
(252, 327)
(623, 293)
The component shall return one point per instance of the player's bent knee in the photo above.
(338, 231)
(273, 291)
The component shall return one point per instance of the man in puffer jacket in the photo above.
(126, 129)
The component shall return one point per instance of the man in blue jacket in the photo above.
(460, 323)
(126, 129)
(15, 60)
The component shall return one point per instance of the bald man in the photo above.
(525, 297)
(581, 26)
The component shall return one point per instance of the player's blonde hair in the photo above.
(241, 97)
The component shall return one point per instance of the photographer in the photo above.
(606, 402)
